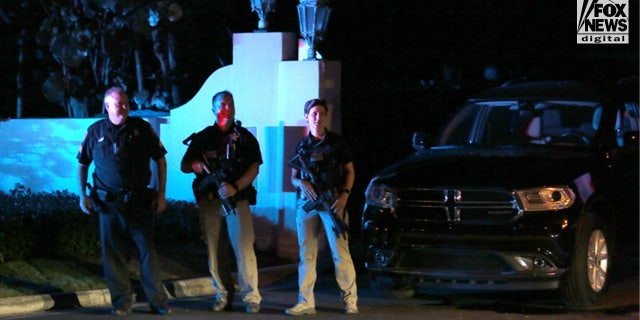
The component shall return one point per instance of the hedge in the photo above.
(51, 224)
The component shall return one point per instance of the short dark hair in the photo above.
(219, 95)
(315, 102)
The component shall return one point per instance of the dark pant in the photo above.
(117, 235)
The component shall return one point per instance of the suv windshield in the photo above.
(530, 122)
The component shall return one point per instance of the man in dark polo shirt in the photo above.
(121, 147)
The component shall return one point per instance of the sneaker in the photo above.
(351, 309)
(252, 308)
(219, 305)
(300, 309)
(124, 311)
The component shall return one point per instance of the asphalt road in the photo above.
(622, 303)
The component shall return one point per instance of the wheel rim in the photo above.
(597, 260)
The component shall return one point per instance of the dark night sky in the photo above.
(389, 50)
(385, 45)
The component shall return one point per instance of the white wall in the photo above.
(270, 86)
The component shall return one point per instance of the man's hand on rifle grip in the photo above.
(307, 189)
(227, 190)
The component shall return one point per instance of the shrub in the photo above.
(52, 225)
(178, 224)
(44, 225)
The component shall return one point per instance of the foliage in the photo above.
(178, 224)
(48, 245)
(44, 224)
(40, 224)
(99, 44)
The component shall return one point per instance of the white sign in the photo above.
(603, 21)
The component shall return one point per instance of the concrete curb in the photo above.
(100, 298)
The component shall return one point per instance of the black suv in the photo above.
(530, 186)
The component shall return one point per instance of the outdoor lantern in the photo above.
(262, 8)
(314, 16)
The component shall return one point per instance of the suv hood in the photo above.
(487, 167)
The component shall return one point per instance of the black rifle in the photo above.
(325, 198)
(215, 177)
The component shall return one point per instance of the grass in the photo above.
(49, 275)
(42, 276)
(48, 246)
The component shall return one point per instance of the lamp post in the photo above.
(262, 8)
(314, 17)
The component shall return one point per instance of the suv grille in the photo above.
(457, 205)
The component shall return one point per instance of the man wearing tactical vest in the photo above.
(225, 158)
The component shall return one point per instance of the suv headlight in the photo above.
(380, 195)
(546, 198)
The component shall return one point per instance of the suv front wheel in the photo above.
(588, 277)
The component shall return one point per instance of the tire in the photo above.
(394, 287)
(588, 278)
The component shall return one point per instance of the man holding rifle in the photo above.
(225, 158)
(323, 173)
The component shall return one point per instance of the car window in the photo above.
(627, 121)
(503, 123)
(458, 131)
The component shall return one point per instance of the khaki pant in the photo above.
(240, 228)
(308, 226)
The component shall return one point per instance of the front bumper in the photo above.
(467, 269)
(532, 254)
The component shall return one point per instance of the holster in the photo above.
(249, 193)
(138, 201)
(99, 199)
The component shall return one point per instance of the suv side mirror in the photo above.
(421, 140)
